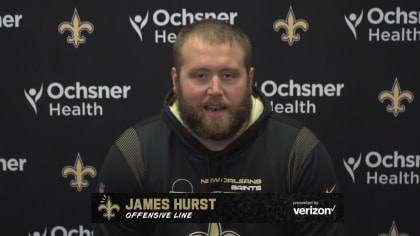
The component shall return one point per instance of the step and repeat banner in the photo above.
(75, 74)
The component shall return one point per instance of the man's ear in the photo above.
(251, 75)
(175, 80)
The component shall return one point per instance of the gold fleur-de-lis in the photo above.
(79, 171)
(215, 229)
(76, 27)
(393, 231)
(396, 96)
(290, 25)
(109, 209)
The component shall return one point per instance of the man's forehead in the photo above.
(200, 40)
(197, 47)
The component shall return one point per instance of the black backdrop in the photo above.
(375, 151)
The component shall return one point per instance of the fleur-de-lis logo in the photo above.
(393, 231)
(396, 96)
(79, 171)
(75, 27)
(109, 209)
(351, 165)
(215, 229)
(290, 25)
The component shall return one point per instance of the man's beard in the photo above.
(219, 128)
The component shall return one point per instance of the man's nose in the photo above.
(215, 88)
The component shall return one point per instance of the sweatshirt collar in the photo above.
(257, 110)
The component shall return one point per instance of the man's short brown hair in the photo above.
(213, 32)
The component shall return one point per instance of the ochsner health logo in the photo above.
(386, 25)
(351, 164)
(33, 96)
(75, 100)
(138, 23)
(164, 22)
(385, 169)
(353, 21)
(62, 231)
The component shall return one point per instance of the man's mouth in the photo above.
(214, 108)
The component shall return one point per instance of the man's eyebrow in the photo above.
(231, 69)
(198, 69)
(204, 69)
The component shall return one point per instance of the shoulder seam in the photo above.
(130, 146)
(304, 144)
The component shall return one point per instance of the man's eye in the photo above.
(228, 76)
(200, 76)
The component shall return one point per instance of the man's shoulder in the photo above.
(153, 127)
(144, 127)
(285, 120)
(150, 121)
(292, 126)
